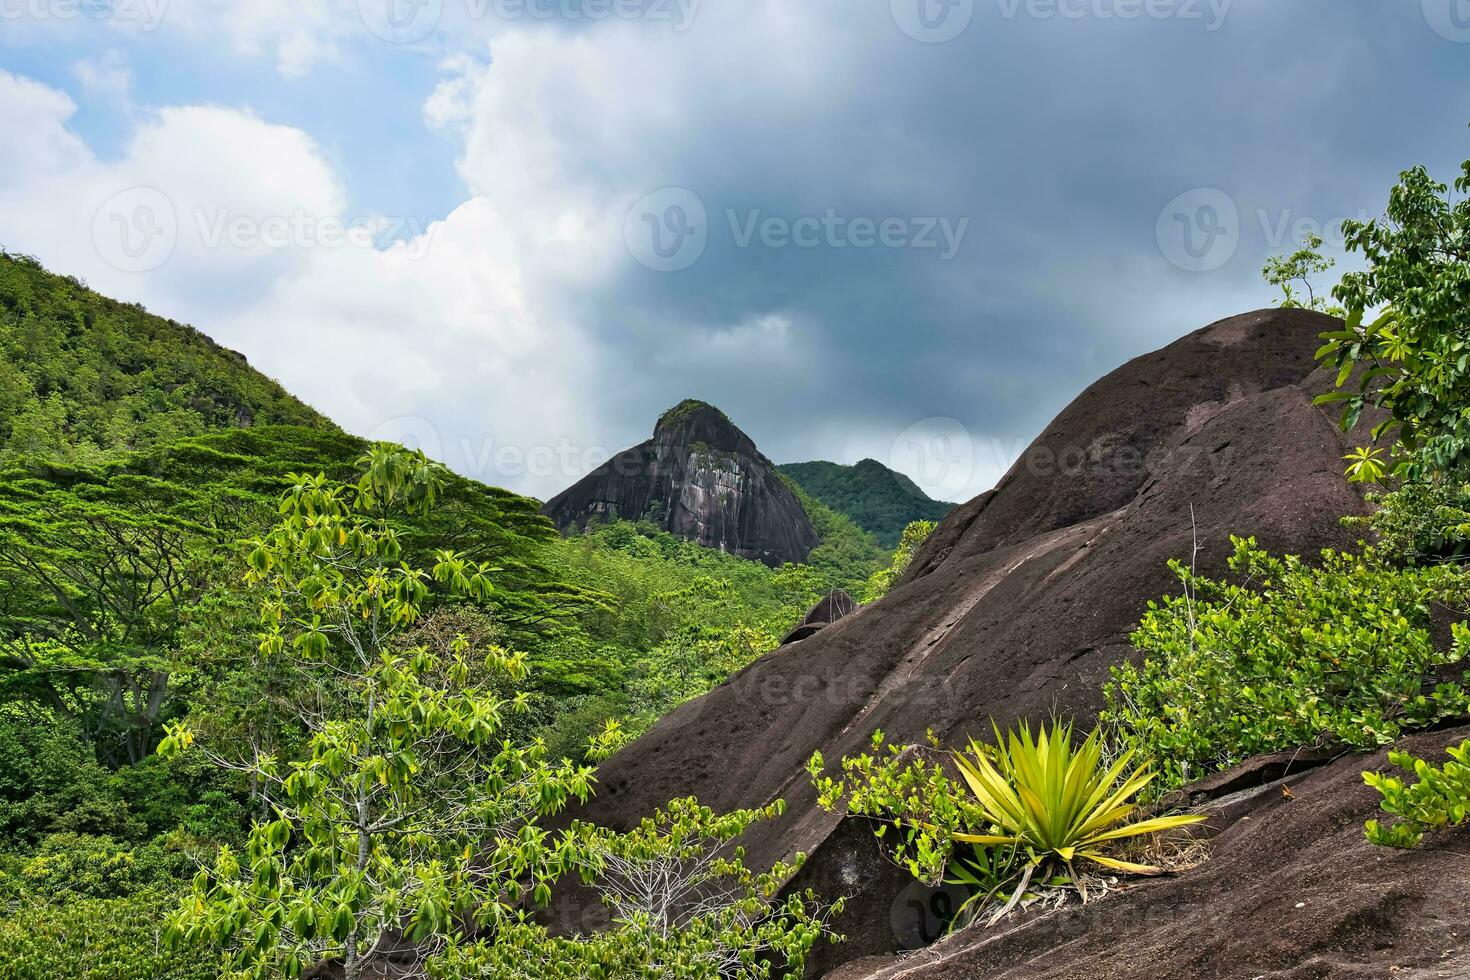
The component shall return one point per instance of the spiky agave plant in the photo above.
(1051, 805)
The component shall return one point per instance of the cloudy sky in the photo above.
(513, 231)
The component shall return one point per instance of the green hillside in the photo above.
(137, 459)
(83, 377)
(877, 499)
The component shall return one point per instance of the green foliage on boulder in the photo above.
(1413, 359)
(1439, 799)
(1288, 654)
(913, 538)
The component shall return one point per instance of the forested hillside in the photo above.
(82, 376)
(877, 499)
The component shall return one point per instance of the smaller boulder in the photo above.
(832, 607)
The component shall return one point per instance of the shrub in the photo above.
(1413, 357)
(1421, 523)
(882, 580)
(1290, 655)
(682, 904)
(50, 782)
(1441, 798)
(96, 939)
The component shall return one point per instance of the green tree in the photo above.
(1414, 359)
(1293, 273)
(913, 538)
(95, 576)
(405, 813)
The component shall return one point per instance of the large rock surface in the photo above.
(1020, 601)
(700, 478)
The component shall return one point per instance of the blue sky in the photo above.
(907, 229)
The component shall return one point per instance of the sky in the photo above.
(512, 232)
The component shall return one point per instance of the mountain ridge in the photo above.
(878, 499)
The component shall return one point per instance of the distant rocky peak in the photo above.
(699, 478)
(695, 424)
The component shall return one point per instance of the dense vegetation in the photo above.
(82, 375)
(877, 499)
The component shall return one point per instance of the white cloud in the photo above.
(450, 326)
(297, 35)
(106, 77)
(37, 142)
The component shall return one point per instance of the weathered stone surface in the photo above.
(1022, 599)
(700, 478)
(832, 607)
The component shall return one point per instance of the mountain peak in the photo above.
(695, 422)
(690, 408)
(701, 479)
(878, 499)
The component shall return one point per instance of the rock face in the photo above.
(1021, 600)
(701, 479)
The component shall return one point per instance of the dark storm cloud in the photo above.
(1058, 141)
